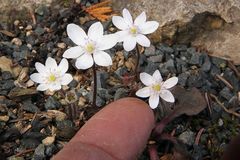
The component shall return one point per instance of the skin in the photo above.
(119, 131)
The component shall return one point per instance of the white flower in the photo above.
(156, 87)
(51, 76)
(134, 32)
(90, 47)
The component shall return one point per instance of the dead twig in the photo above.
(206, 95)
(24, 152)
(224, 81)
(199, 136)
(225, 109)
(234, 68)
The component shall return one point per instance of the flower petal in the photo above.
(143, 40)
(63, 66)
(141, 19)
(73, 52)
(170, 82)
(143, 92)
(153, 101)
(76, 34)
(167, 96)
(84, 62)
(102, 58)
(40, 68)
(157, 76)
(121, 35)
(146, 79)
(54, 87)
(66, 79)
(51, 63)
(148, 27)
(119, 22)
(42, 87)
(95, 32)
(37, 77)
(129, 43)
(107, 41)
(127, 16)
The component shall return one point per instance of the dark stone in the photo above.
(195, 81)
(181, 65)
(182, 79)
(65, 129)
(6, 75)
(101, 79)
(230, 76)
(36, 135)
(29, 106)
(39, 153)
(220, 63)
(214, 70)
(39, 31)
(73, 84)
(10, 134)
(104, 93)
(121, 72)
(30, 143)
(150, 68)
(206, 65)
(233, 102)
(226, 93)
(50, 150)
(120, 93)
(52, 103)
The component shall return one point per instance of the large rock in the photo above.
(213, 25)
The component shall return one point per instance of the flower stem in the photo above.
(94, 86)
(137, 63)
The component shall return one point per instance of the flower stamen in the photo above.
(90, 48)
(133, 30)
(156, 87)
(52, 78)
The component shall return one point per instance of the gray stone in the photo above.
(170, 66)
(165, 48)
(195, 59)
(39, 153)
(187, 137)
(52, 103)
(120, 93)
(150, 51)
(100, 102)
(150, 68)
(226, 93)
(156, 59)
(29, 142)
(6, 75)
(50, 150)
(182, 79)
(233, 102)
(120, 72)
(103, 93)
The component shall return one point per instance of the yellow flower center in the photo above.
(157, 87)
(52, 78)
(133, 30)
(90, 48)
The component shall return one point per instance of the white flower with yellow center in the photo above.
(134, 32)
(90, 48)
(51, 76)
(155, 87)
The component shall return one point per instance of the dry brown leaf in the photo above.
(100, 11)
(7, 33)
